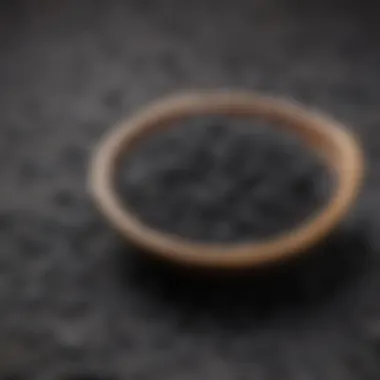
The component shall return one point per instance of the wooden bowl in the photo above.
(337, 146)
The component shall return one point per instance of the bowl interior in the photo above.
(206, 148)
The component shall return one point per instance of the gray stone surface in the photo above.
(73, 297)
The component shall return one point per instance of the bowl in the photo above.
(336, 145)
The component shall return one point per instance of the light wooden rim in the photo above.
(336, 144)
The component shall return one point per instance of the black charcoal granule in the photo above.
(221, 179)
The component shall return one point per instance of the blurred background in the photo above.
(73, 298)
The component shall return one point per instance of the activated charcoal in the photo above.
(223, 180)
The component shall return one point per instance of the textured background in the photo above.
(71, 299)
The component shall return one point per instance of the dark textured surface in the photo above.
(72, 299)
(223, 180)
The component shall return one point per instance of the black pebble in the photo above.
(228, 180)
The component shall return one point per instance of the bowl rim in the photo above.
(340, 147)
